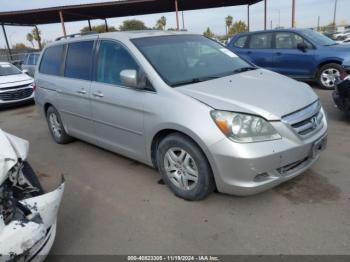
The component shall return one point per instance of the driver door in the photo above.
(117, 111)
(291, 61)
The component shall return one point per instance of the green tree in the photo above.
(208, 33)
(161, 23)
(130, 25)
(98, 28)
(30, 38)
(228, 23)
(238, 27)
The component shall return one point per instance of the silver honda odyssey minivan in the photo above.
(184, 104)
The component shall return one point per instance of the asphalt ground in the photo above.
(114, 205)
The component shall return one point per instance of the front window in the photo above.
(318, 38)
(286, 40)
(8, 69)
(185, 59)
(112, 59)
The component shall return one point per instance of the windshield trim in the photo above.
(208, 78)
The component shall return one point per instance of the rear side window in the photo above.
(261, 41)
(31, 60)
(79, 60)
(240, 42)
(51, 61)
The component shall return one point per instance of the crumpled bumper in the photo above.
(31, 239)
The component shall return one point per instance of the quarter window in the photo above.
(79, 60)
(240, 42)
(260, 41)
(112, 59)
(51, 61)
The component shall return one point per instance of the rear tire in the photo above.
(327, 75)
(56, 127)
(184, 168)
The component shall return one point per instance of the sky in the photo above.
(307, 12)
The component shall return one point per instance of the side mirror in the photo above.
(302, 47)
(25, 71)
(131, 78)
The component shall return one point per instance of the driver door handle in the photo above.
(98, 94)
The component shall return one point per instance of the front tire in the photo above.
(184, 168)
(56, 127)
(328, 75)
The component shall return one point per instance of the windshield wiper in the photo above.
(244, 69)
(195, 80)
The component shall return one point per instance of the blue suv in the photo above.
(303, 54)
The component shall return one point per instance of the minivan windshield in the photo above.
(319, 38)
(186, 59)
(8, 69)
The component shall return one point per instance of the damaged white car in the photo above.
(27, 215)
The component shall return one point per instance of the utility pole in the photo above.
(335, 14)
(318, 23)
(279, 17)
(265, 14)
(9, 57)
(183, 21)
(293, 13)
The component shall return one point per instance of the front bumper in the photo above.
(247, 169)
(31, 239)
(16, 96)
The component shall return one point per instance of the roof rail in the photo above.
(75, 35)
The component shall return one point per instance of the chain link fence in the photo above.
(16, 56)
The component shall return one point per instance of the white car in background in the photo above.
(27, 215)
(16, 87)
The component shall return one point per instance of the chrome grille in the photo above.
(16, 94)
(307, 120)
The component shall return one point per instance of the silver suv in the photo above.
(184, 104)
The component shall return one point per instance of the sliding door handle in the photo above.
(82, 92)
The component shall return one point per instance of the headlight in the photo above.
(243, 128)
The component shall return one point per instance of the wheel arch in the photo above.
(325, 62)
(162, 133)
(46, 107)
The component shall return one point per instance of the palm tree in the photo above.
(161, 23)
(30, 38)
(228, 21)
(37, 36)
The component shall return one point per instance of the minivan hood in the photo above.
(259, 92)
(14, 79)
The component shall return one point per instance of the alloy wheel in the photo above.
(181, 169)
(329, 77)
(55, 125)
